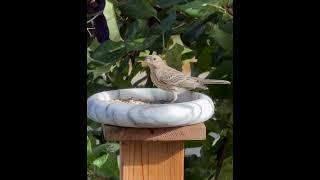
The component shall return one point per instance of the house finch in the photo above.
(169, 79)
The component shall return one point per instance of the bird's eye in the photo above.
(154, 58)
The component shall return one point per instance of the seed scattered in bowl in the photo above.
(134, 101)
(129, 101)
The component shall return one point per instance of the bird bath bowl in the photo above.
(145, 108)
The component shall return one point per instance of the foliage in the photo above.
(102, 158)
(197, 32)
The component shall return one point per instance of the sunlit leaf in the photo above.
(100, 160)
(89, 146)
(176, 39)
(110, 15)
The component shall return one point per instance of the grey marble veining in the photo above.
(190, 108)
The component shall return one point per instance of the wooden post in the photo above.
(153, 154)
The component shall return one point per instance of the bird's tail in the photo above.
(214, 81)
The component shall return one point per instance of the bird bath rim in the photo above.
(191, 108)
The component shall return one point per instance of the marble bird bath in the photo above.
(151, 135)
(192, 108)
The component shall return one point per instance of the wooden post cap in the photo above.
(191, 132)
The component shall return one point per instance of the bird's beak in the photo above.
(143, 63)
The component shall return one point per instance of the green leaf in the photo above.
(119, 75)
(192, 144)
(224, 114)
(109, 51)
(106, 148)
(167, 3)
(136, 69)
(207, 144)
(204, 58)
(188, 56)
(89, 146)
(197, 28)
(212, 125)
(226, 2)
(140, 44)
(100, 160)
(93, 88)
(224, 39)
(93, 124)
(176, 39)
(223, 70)
(226, 170)
(137, 29)
(166, 23)
(112, 147)
(229, 145)
(198, 8)
(110, 167)
(93, 45)
(173, 56)
(226, 26)
(144, 53)
(138, 9)
(110, 15)
(98, 71)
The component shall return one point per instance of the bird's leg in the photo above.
(175, 96)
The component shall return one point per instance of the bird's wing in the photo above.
(170, 76)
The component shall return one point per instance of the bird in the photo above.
(172, 80)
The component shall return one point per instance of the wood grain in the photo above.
(192, 132)
(153, 153)
(141, 160)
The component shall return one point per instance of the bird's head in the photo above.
(154, 61)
